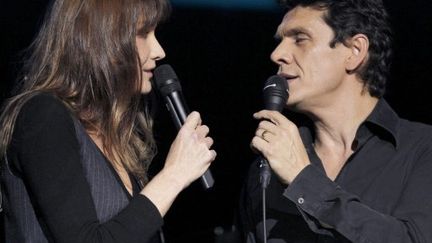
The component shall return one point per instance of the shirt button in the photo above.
(300, 200)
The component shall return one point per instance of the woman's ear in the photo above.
(359, 48)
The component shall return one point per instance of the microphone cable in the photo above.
(265, 176)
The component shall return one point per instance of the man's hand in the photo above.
(279, 141)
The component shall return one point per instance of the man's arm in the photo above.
(324, 200)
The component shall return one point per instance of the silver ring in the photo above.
(263, 135)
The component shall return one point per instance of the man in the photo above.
(358, 173)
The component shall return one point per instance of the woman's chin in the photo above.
(146, 91)
(146, 87)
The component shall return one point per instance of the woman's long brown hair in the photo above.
(85, 54)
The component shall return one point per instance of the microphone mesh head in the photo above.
(275, 93)
(166, 79)
(278, 80)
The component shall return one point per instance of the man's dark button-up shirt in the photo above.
(382, 194)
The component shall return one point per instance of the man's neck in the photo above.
(336, 125)
(335, 130)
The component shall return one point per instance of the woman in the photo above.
(76, 142)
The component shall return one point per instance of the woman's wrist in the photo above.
(162, 190)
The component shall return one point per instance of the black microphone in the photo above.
(275, 96)
(169, 87)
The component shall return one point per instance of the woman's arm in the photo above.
(46, 154)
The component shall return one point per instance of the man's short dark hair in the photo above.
(350, 17)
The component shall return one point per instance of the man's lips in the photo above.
(288, 76)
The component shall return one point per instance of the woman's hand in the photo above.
(189, 157)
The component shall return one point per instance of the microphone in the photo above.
(275, 96)
(169, 87)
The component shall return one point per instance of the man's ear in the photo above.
(359, 48)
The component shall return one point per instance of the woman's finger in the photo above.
(202, 131)
(193, 120)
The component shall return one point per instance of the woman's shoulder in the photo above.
(43, 109)
(43, 102)
(42, 122)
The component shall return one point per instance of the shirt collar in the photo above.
(382, 121)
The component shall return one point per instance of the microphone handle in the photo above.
(179, 111)
(271, 103)
(177, 108)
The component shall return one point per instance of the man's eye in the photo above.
(299, 40)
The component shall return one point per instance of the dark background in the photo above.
(221, 55)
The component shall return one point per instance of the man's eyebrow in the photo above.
(280, 33)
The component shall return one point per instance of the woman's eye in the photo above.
(143, 33)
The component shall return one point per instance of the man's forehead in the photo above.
(300, 18)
